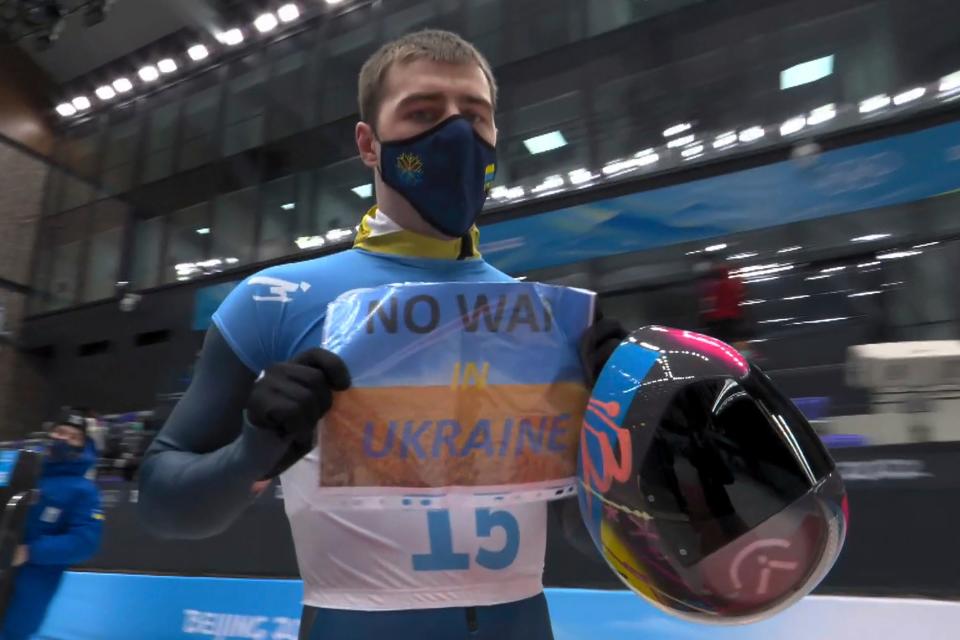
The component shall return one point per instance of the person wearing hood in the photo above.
(63, 529)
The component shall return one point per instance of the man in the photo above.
(427, 104)
(63, 528)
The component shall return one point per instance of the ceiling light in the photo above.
(265, 22)
(66, 109)
(506, 193)
(644, 153)
(821, 277)
(864, 265)
(909, 96)
(750, 134)
(743, 256)
(950, 84)
(309, 242)
(148, 73)
(335, 235)
(870, 237)
(231, 37)
(681, 142)
(676, 129)
(873, 104)
(926, 244)
(715, 247)
(203, 231)
(806, 72)
(832, 269)
(167, 65)
(860, 294)
(822, 114)
(106, 92)
(549, 183)
(748, 303)
(288, 13)
(774, 320)
(790, 249)
(232, 260)
(122, 85)
(81, 103)
(692, 152)
(725, 140)
(332, 2)
(793, 125)
(822, 320)
(545, 142)
(800, 297)
(198, 52)
(893, 255)
(363, 191)
(287, 206)
(581, 176)
(622, 166)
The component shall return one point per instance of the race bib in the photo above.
(472, 393)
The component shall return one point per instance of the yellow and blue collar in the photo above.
(380, 234)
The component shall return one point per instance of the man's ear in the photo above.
(367, 145)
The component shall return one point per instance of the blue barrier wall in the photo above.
(103, 606)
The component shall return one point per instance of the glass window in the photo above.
(78, 148)
(61, 251)
(346, 53)
(484, 27)
(145, 259)
(619, 133)
(344, 193)
(120, 150)
(408, 19)
(246, 93)
(280, 214)
(200, 111)
(158, 146)
(74, 192)
(187, 240)
(235, 226)
(561, 119)
(289, 70)
(105, 249)
(537, 26)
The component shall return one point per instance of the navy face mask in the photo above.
(444, 173)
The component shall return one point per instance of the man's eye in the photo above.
(423, 116)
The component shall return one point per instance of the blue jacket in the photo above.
(63, 529)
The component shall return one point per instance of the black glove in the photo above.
(292, 396)
(598, 344)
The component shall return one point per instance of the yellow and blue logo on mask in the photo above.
(410, 168)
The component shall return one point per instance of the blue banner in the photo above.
(890, 171)
(8, 460)
(113, 606)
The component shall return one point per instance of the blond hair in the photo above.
(430, 44)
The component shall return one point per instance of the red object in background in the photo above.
(723, 296)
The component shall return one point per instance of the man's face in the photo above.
(71, 435)
(421, 94)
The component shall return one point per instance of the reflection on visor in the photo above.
(730, 508)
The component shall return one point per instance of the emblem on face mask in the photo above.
(410, 168)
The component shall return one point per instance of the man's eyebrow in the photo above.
(437, 96)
